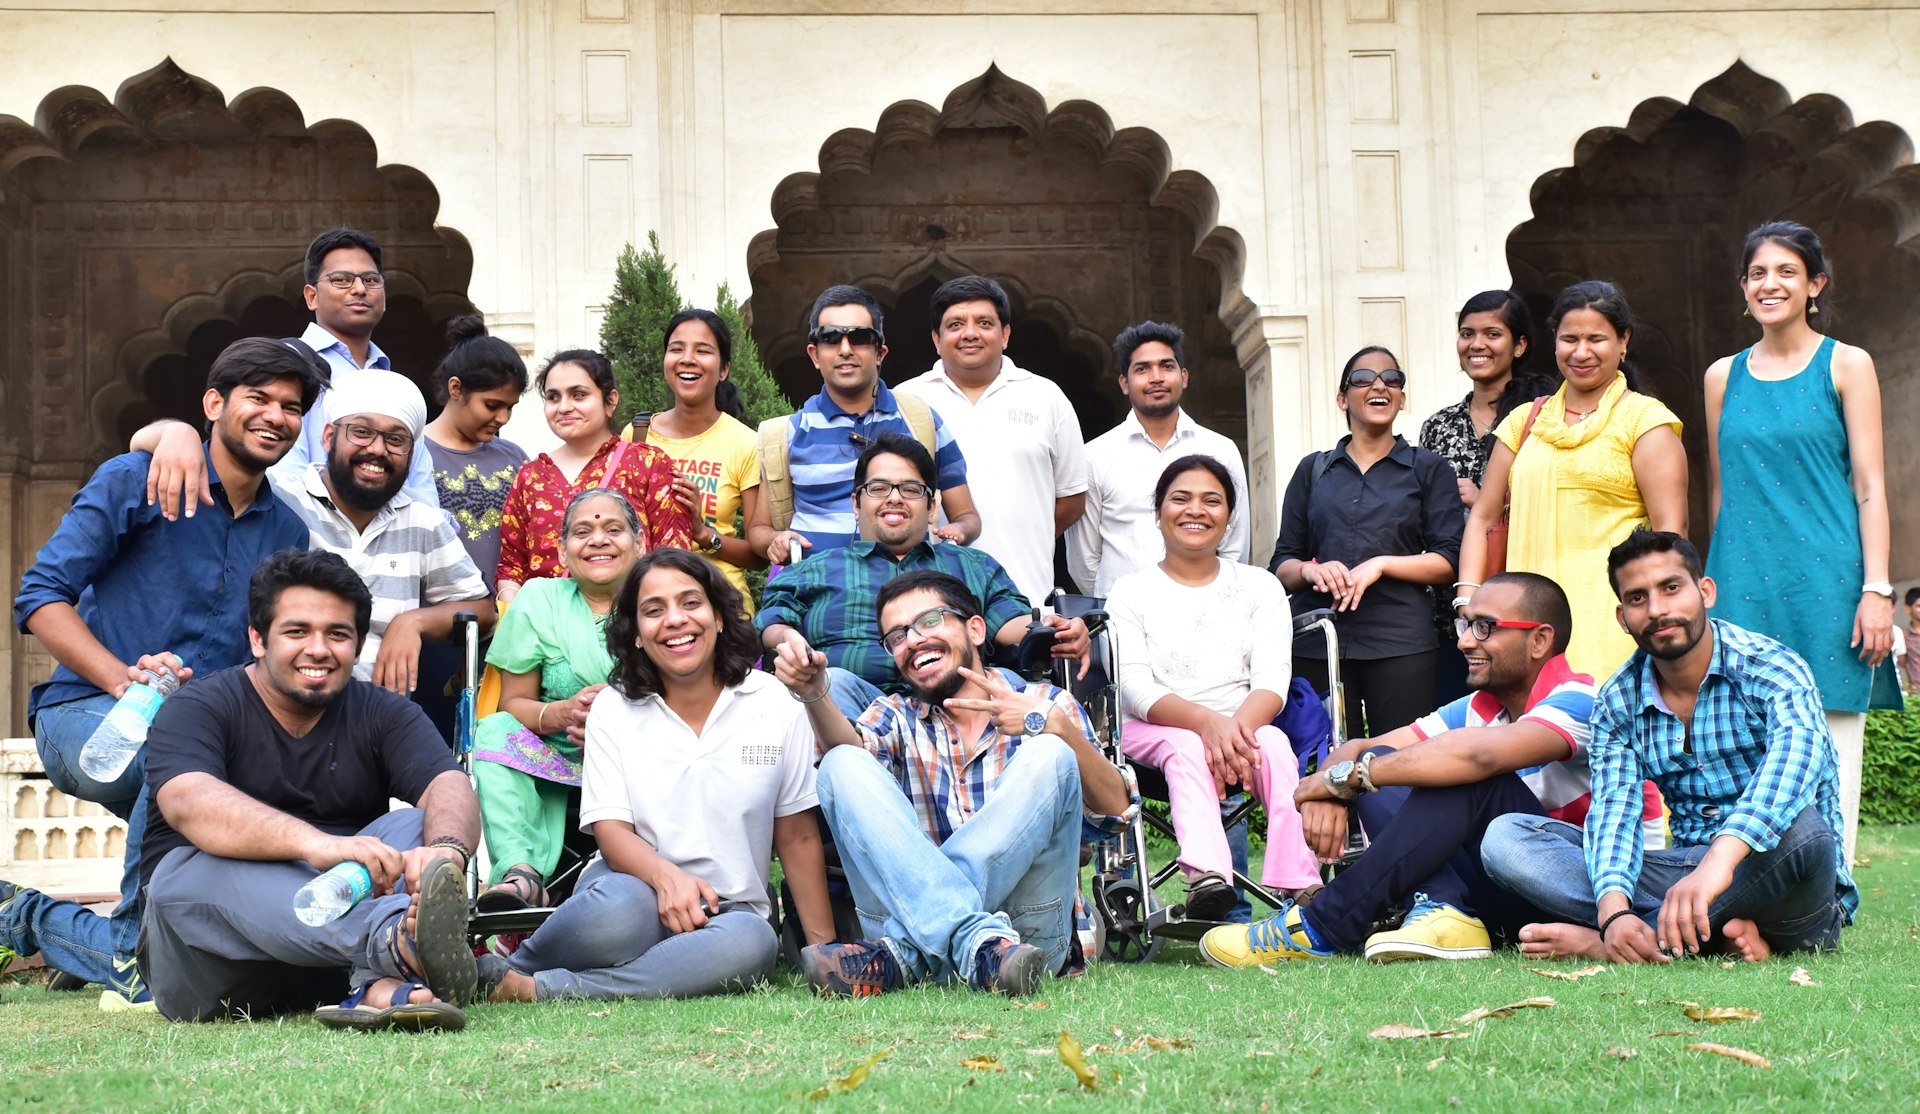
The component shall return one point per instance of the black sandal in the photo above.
(497, 900)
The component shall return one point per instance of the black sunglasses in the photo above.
(1393, 377)
(860, 336)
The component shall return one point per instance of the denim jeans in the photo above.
(1009, 872)
(1787, 892)
(70, 937)
(606, 941)
(850, 691)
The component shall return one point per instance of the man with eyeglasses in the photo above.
(118, 592)
(807, 460)
(829, 599)
(1427, 792)
(959, 805)
(347, 292)
(408, 552)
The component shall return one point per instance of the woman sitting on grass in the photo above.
(551, 651)
(698, 767)
(1203, 649)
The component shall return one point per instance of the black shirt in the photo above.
(1407, 503)
(368, 746)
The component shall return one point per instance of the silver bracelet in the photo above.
(824, 693)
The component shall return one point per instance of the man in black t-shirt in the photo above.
(263, 775)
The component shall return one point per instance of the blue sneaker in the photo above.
(8, 891)
(862, 969)
(126, 990)
(1008, 967)
(1277, 939)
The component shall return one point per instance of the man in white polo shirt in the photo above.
(1118, 533)
(1026, 461)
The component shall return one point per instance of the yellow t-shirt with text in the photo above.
(724, 461)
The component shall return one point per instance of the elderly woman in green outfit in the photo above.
(551, 651)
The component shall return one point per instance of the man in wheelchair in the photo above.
(958, 807)
(1426, 792)
(829, 599)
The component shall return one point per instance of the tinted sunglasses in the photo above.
(860, 336)
(1364, 376)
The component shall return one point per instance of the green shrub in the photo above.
(1890, 781)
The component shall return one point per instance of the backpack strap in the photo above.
(776, 481)
(919, 418)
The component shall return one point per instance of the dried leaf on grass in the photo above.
(1076, 1062)
(1568, 976)
(1676, 1033)
(1436, 1062)
(965, 1035)
(1158, 1044)
(1026, 1005)
(983, 1063)
(1622, 1053)
(1739, 1054)
(1718, 1014)
(850, 1081)
(1404, 1032)
(1729, 964)
(1800, 977)
(1540, 1003)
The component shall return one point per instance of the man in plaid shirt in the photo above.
(1728, 723)
(958, 808)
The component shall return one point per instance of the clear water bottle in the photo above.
(332, 893)
(110, 749)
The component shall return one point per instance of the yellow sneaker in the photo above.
(1431, 931)
(1277, 939)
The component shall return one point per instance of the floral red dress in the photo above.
(536, 507)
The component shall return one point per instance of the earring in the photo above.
(1813, 309)
(1746, 309)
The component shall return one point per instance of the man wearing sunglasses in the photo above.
(1427, 792)
(807, 458)
(829, 599)
(347, 292)
(407, 551)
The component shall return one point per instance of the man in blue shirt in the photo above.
(1728, 724)
(119, 591)
(846, 340)
(830, 598)
(347, 292)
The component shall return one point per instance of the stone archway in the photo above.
(138, 236)
(1086, 226)
(1661, 205)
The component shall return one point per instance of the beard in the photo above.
(353, 491)
(1694, 630)
(1156, 409)
(943, 689)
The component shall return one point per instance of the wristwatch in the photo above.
(1035, 723)
(1341, 781)
(712, 546)
(1878, 588)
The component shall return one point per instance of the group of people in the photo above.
(293, 570)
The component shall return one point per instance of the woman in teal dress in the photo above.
(1798, 502)
(551, 650)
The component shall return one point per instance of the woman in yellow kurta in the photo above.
(1599, 459)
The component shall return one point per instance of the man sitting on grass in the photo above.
(1728, 723)
(957, 809)
(265, 774)
(1516, 745)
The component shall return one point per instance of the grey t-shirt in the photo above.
(473, 485)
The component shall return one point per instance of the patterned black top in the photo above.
(1450, 434)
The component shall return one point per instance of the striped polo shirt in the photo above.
(825, 443)
(409, 556)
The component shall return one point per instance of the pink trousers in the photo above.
(1179, 756)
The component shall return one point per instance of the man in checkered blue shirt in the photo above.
(1728, 724)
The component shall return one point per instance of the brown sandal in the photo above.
(520, 888)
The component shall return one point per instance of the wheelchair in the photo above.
(577, 849)
(1132, 920)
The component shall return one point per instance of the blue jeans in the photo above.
(606, 941)
(1788, 892)
(69, 936)
(1010, 872)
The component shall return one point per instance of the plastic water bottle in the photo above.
(332, 893)
(110, 749)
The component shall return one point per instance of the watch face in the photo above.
(1339, 772)
(1036, 722)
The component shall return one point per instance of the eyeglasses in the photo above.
(860, 336)
(1393, 377)
(1483, 628)
(926, 622)
(399, 444)
(344, 280)
(881, 489)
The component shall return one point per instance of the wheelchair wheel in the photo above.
(1122, 910)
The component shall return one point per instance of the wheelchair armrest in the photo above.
(1032, 656)
(1306, 621)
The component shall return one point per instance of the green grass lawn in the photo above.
(1290, 1039)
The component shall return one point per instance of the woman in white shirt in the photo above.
(1204, 652)
(698, 767)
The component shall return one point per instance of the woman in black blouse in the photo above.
(1365, 527)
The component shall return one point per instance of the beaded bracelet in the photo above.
(1608, 923)
(458, 844)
